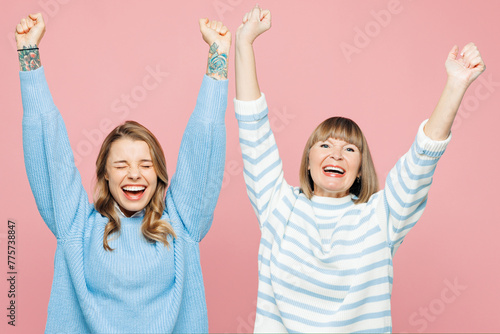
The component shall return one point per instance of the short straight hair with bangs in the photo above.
(347, 130)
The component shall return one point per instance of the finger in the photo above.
(19, 29)
(245, 18)
(266, 15)
(466, 48)
(213, 24)
(476, 61)
(223, 31)
(36, 17)
(24, 25)
(218, 26)
(203, 22)
(255, 13)
(470, 54)
(30, 23)
(453, 53)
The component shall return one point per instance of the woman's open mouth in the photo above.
(133, 193)
(334, 171)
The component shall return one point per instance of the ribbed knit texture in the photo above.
(140, 287)
(325, 264)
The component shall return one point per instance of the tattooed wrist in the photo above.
(217, 63)
(29, 58)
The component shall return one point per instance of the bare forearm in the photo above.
(439, 125)
(247, 85)
(217, 62)
(29, 58)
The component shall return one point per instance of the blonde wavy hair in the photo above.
(153, 228)
(347, 130)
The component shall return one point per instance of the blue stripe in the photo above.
(274, 280)
(399, 217)
(373, 282)
(308, 278)
(367, 300)
(357, 240)
(253, 126)
(430, 153)
(264, 296)
(401, 229)
(376, 330)
(294, 288)
(355, 227)
(421, 162)
(255, 143)
(403, 184)
(333, 272)
(265, 189)
(261, 157)
(305, 217)
(323, 311)
(288, 203)
(304, 232)
(263, 173)
(329, 207)
(417, 176)
(269, 315)
(338, 323)
(252, 117)
(398, 199)
(335, 258)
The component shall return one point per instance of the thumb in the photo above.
(203, 23)
(453, 53)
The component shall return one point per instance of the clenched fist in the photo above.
(468, 67)
(254, 23)
(216, 32)
(29, 31)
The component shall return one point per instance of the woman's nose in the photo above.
(336, 153)
(133, 173)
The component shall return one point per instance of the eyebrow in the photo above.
(125, 161)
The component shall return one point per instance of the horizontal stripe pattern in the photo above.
(325, 264)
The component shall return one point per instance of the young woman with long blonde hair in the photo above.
(129, 262)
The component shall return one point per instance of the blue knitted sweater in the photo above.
(140, 287)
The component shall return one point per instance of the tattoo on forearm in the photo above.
(29, 60)
(217, 63)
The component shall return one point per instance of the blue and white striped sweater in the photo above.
(325, 264)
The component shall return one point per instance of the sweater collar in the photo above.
(135, 215)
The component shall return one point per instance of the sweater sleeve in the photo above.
(52, 174)
(263, 171)
(407, 185)
(197, 181)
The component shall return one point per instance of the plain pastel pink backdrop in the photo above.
(321, 58)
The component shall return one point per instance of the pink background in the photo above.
(95, 51)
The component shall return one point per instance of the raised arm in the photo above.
(263, 170)
(462, 71)
(197, 181)
(254, 23)
(54, 179)
(29, 33)
(408, 183)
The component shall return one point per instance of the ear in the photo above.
(106, 177)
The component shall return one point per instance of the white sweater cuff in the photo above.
(251, 110)
(428, 146)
